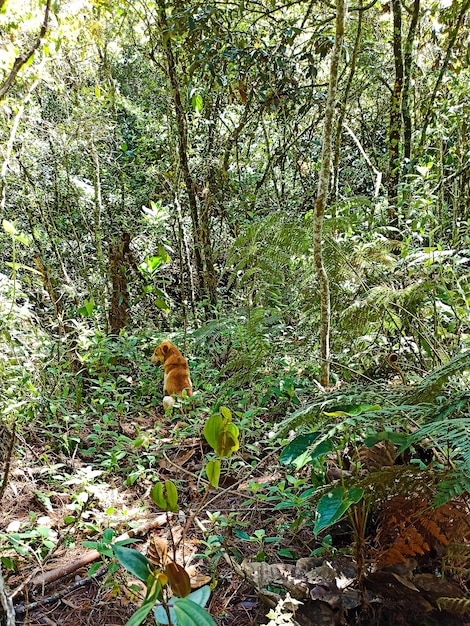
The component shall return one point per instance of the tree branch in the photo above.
(24, 58)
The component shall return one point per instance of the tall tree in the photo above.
(202, 248)
(322, 193)
(395, 130)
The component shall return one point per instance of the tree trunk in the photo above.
(200, 223)
(408, 66)
(451, 41)
(322, 192)
(22, 59)
(344, 104)
(395, 118)
(119, 263)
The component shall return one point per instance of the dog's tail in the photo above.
(168, 402)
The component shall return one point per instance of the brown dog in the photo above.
(176, 377)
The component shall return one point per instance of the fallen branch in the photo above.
(22, 608)
(64, 570)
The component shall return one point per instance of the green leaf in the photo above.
(322, 448)
(171, 495)
(227, 441)
(156, 494)
(334, 504)
(93, 569)
(226, 413)
(352, 410)
(297, 447)
(87, 309)
(213, 472)
(201, 595)
(140, 615)
(198, 597)
(212, 429)
(134, 562)
(9, 228)
(161, 616)
(162, 305)
(398, 438)
(197, 102)
(189, 613)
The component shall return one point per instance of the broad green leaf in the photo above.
(161, 616)
(87, 309)
(333, 505)
(226, 413)
(227, 441)
(201, 595)
(213, 472)
(156, 494)
(140, 615)
(197, 102)
(171, 496)
(134, 562)
(322, 448)
(162, 305)
(355, 494)
(297, 447)
(189, 613)
(212, 429)
(9, 228)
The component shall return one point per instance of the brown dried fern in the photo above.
(410, 526)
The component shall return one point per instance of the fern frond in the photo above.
(460, 606)
(457, 560)
(431, 385)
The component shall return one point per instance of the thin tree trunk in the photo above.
(344, 104)
(452, 38)
(120, 259)
(322, 192)
(395, 118)
(24, 58)
(187, 256)
(183, 154)
(408, 66)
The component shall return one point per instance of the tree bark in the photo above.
(322, 192)
(452, 38)
(344, 104)
(395, 131)
(23, 58)
(408, 67)
(199, 223)
(120, 259)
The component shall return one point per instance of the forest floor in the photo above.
(244, 569)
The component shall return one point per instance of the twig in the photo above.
(6, 603)
(378, 174)
(23, 58)
(59, 572)
(22, 608)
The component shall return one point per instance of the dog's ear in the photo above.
(165, 348)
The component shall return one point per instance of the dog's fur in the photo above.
(176, 377)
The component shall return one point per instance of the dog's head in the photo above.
(161, 352)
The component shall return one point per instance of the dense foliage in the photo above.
(160, 170)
